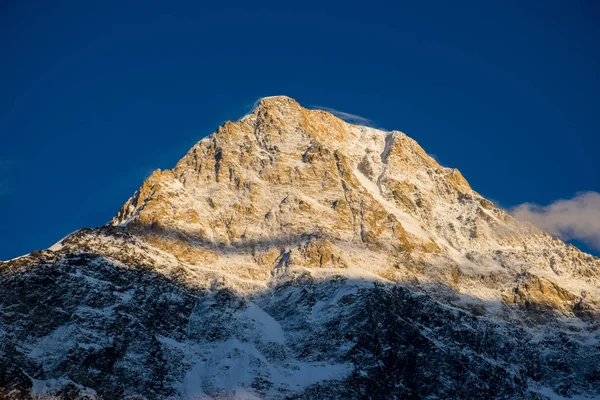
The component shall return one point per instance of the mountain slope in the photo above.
(293, 255)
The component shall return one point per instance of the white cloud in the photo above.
(351, 118)
(577, 218)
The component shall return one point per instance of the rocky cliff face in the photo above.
(293, 255)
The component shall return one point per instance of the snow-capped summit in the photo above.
(292, 254)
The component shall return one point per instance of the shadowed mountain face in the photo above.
(291, 255)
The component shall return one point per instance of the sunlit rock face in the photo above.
(291, 255)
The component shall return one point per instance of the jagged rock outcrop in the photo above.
(293, 255)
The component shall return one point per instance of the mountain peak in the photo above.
(276, 99)
(282, 102)
(286, 232)
(284, 172)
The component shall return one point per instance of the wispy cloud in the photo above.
(577, 218)
(351, 118)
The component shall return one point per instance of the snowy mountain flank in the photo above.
(292, 255)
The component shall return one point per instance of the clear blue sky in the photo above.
(96, 95)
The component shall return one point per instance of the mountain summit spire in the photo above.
(274, 101)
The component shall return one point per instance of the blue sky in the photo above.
(96, 95)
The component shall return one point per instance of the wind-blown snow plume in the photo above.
(348, 117)
(576, 218)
